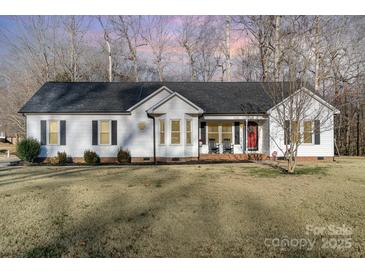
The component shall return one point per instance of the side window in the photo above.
(307, 132)
(104, 132)
(188, 132)
(53, 132)
(175, 132)
(162, 132)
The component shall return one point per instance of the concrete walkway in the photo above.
(11, 161)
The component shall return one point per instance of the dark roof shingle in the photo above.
(104, 97)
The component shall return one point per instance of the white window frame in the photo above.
(191, 132)
(159, 132)
(172, 120)
(58, 132)
(110, 132)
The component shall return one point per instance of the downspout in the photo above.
(154, 137)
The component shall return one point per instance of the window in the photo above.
(162, 132)
(294, 131)
(53, 128)
(188, 132)
(175, 132)
(104, 133)
(307, 132)
(213, 133)
(227, 132)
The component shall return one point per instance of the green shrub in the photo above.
(28, 149)
(91, 157)
(123, 156)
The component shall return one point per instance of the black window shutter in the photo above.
(287, 132)
(63, 132)
(114, 132)
(237, 133)
(43, 132)
(203, 132)
(95, 133)
(317, 132)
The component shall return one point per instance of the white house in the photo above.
(168, 121)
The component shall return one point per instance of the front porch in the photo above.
(233, 137)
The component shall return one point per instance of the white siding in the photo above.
(79, 132)
(326, 146)
(139, 142)
(177, 109)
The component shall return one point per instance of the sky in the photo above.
(9, 25)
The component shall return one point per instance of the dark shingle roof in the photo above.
(104, 97)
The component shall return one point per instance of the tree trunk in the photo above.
(277, 47)
(228, 47)
(110, 73)
(317, 55)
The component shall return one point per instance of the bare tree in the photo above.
(247, 63)
(260, 30)
(157, 37)
(129, 29)
(297, 117)
(188, 40)
(277, 47)
(298, 120)
(227, 47)
(207, 49)
(76, 28)
(108, 42)
(29, 54)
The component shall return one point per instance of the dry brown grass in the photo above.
(223, 210)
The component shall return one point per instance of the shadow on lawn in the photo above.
(274, 171)
(34, 174)
(115, 229)
(89, 236)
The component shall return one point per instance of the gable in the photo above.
(315, 101)
(175, 103)
(162, 92)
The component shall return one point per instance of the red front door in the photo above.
(252, 136)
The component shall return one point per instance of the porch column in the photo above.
(220, 139)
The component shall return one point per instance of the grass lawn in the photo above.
(221, 210)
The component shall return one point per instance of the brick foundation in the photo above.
(311, 159)
(142, 160)
(163, 159)
(203, 157)
(80, 160)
